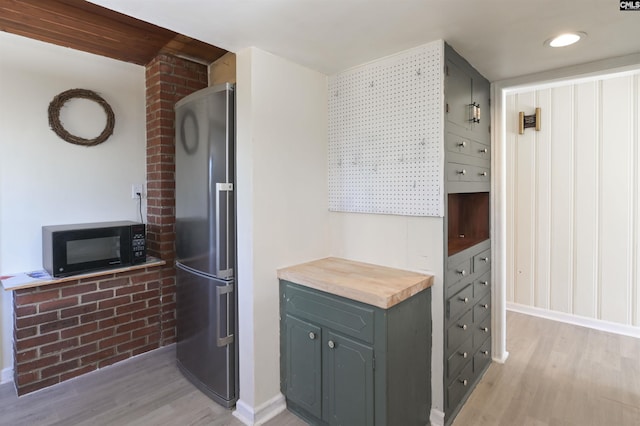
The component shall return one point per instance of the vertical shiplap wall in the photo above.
(573, 221)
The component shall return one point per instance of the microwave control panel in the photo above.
(138, 244)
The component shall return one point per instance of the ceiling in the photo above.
(85, 26)
(501, 38)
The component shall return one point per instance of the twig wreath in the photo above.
(54, 116)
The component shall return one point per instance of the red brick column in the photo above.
(169, 79)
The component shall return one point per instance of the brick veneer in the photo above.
(65, 330)
(169, 79)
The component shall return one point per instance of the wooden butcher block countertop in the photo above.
(372, 284)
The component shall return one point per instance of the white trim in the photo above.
(7, 376)
(436, 418)
(502, 358)
(609, 327)
(262, 413)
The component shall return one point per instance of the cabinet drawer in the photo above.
(459, 358)
(482, 261)
(347, 317)
(460, 330)
(482, 308)
(458, 388)
(455, 143)
(457, 172)
(482, 357)
(480, 150)
(481, 331)
(482, 286)
(460, 302)
(458, 271)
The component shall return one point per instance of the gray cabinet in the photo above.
(467, 294)
(344, 362)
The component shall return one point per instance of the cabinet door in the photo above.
(304, 365)
(348, 375)
(480, 96)
(458, 86)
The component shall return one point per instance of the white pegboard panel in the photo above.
(385, 135)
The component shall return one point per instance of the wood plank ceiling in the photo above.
(85, 26)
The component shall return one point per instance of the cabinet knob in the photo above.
(464, 299)
(464, 382)
(485, 329)
(312, 335)
(331, 344)
(462, 144)
(463, 326)
(485, 353)
(464, 354)
(483, 151)
(482, 174)
(461, 172)
(485, 259)
(485, 283)
(486, 306)
(462, 272)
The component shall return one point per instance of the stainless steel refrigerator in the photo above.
(206, 301)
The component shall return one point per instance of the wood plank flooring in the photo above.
(556, 374)
(146, 390)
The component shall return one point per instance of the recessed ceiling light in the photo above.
(565, 39)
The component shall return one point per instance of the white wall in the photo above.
(282, 207)
(45, 180)
(573, 221)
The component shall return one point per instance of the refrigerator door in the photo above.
(205, 340)
(205, 240)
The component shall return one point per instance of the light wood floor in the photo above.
(556, 374)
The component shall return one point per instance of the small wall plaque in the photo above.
(526, 121)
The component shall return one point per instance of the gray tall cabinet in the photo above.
(467, 243)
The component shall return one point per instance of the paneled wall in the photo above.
(573, 225)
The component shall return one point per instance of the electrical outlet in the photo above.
(135, 189)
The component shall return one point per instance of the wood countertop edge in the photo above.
(376, 293)
(150, 263)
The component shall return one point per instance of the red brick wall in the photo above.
(65, 330)
(169, 79)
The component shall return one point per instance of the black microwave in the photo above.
(85, 247)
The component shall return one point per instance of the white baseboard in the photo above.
(610, 327)
(251, 416)
(502, 358)
(436, 418)
(7, 375)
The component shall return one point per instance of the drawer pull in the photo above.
(463, 326)
(464, 299)
(462, 144)
(462, 272)
(331, 344)
(485, 353)
(485, 329)
(461, 172)
(485, 259)
(312, 335)
(464, 382)
(486, 305)
(483, 151)
(485, 283)
(464, 354)
(482, 174)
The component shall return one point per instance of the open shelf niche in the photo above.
(468, 220)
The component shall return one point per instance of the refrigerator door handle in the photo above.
(228, 339)
(228, 272)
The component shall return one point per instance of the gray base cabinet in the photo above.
(348, 363)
